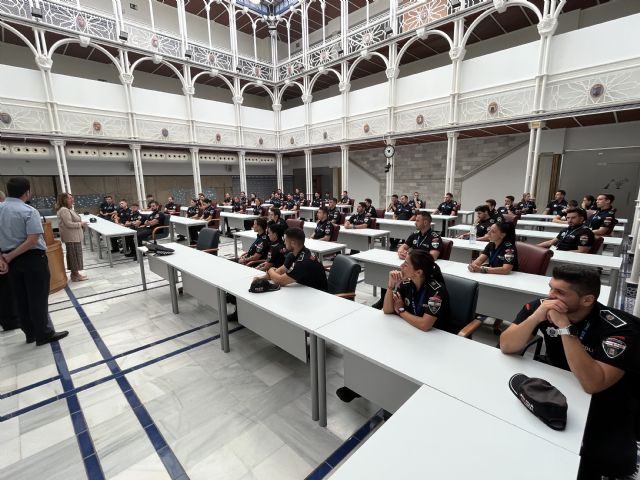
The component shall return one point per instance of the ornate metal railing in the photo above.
(144, 37)
(211, 58)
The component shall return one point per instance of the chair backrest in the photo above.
(264, 211)
(343, 277)
(380, 212)
(447, 246)
(352, 201)
(597, 245)
(463, 299)
(533, 259)
(208, 238)
(164, 233)
(374, 224)
(341, 218)
(335, 233)
(510, 217)
(295, 223)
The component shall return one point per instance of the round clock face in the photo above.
(389, 151)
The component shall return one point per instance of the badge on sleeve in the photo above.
(614, 346)
(434, 303)
(607, 221)
(584, 239)
(435, 244)
(509, 255)
(612, 319)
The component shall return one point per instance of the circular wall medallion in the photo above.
(5, 118)
(325, 135)
(81, 22)
(97, 126)
(290, 70)
(492, 108)
(367, 38)
(155, 42)
(257, 71)
(596, 91)
(324, 55)
(260, 141)
(292, 141)
(212, 57)
(164, 132)
(218, 137)
(366, 128)
(420, 119)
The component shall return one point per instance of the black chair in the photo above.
(343, 277)
(463, 299)
(163, 230)
(208, 241)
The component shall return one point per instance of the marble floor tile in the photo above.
(61, 461)
(43, 437)
(89, 375)
(272, 373)
(150, 468)
(11, 452)
(222, 464)
(283, 464)
(38, 394)
(255, 445)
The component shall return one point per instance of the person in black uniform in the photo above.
(170, 206)
(493, 213)
(276, 202)
(193, 209)
(208, 212)
(274, 217)
(416, 203)
(302, 200)
(603, 221)
(324, 227)
(257, 207)
(107, 208)
(599, 345)
(144, 233)
(555, 207)
(259, 249)
(289, 203)
(133, 219)
(277, 249)
(358, 219)
(345, 198)
(526, 206)
(200, 200)
(449, 206)
(404, 211)
(576, 237)
(317, 200)
(500, 256)
(589, 202)
(562, 217)
(243, 198)
(227, 199)
(484, 221)
(236, 205)
(508, 207)
(370, 210)
(393, 205)
(332, 212)
(300, 265)
(119, 215)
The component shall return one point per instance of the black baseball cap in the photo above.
(543, 399)
(263, 285)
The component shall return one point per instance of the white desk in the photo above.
(288, 213)
(319, 247)
(403, 228)
(355, 238)
(500, 296)
(107, 230)
(183, 211)
(344, 206)
(309, 213)
(420, 441)
(226, 208)
(181, 226)
(386, 360)
(618, 230)
(536, 236)
(53, 220)
(236, 220)
(539, 216)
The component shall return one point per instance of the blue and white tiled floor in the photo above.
(136, 392)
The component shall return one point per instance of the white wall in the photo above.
(292, 117)
(150, 102)
(363, 185)
(429, 84)
(90, 93)
(327, 109)
(21, 83)
(257, 118)
(369, 99)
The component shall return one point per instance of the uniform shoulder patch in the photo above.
(614, 346)
(434, 303)
(435, 284)
(612, 319)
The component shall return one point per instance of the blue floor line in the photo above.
(104, 299)
(104, 293)
(90, 458)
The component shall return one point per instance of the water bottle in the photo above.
(472, 235)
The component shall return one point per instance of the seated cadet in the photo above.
(509, 207)
(243, 198)
(603, 221)
(393, 205)
(289, 203)
(201, 198)
(274, 217)
(277, 250)
(577, 236)
(588, 202)
(145, 231)
(324, 227)
(252, 198)
(332, 212)
(209, 211)
(415, 202)
(193, 210)
(300, 265)
(259, 249)
(404, 211)
(276, 202)
(107, 208)
(358, 219)
(170, 206)
(599, 345)
(562, 217)
(317, 200)
(133, 218)
(484, 221)
(345, 198)
(236, 205)
(493, 213)
(227, 199)
(119, 215)
(257, 208)
(555, 207)
(370, 210)
(500, 256)
(150, 198)
(526, 206)
(302, 200)
(449, 206)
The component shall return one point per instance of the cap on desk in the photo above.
(543, 399)
(262, 285)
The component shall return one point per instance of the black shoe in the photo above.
(30, 340)
(379, 304)
(115, 250)
(130, 255)
(55, 336)
(346, 394)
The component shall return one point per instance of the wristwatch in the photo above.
(556, 332)
(401, 309)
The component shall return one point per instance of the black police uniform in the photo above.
(316, 202)
(305, 269)
(416, 204)
(556, 208)
(447, 208)
(257, 210)
(145, 233)
(122, 216)
(371, 212)
(106, 209)
(260, 246)
(345, 200)
(609, 336)
(323, 229)
(289, 204)
(432, 299)
(333, 214)
(403, 212)
(496, 216)
(429, 241)
(505, 254)
(243, 200)
(280, 221)
(170, 206)
(132, 217)
(276, 202)
(572, 238)
(226, 199)
(526, 208)
(483, 227)
(277, 252)
(360, 219)
(504, 210)
(208, 212)
(192, 212)
(603, 218)
(236, 206)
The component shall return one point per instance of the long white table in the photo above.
(500, 296)
(618, 230)
(420, 441)
(319, 247)
(403, 228)
(355, 238)
(308, 213)
(536, 236)
(107, 230)
(386, 360)
(288, 213)
(236, 220)
(180, 225)
(539, 216)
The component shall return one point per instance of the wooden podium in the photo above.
(56, 260)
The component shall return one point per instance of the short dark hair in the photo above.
(449, 193)
(424, 214)
(511, 197)
(334, 199)
(580, 211)
(278, 229)
(368, 200)
(572, 203)
(562, 192)
(324, 209)
(153, 202)
(509, 231)
(295, 234)
(589, 197)
(207, 201)
(362, 204)
(395, 195)
(609, 196)
(490, 201)
(482, 208)
(18, 186)
(583, 280)
(261, 222)
(149, 196)
(135, 205)
(276, 211)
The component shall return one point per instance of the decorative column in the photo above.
(304, 6)
(137, 172)
(279, 174)
(546, 28)
(44, 64)
(308, 173)
(58, 148)
(452, 149)
(456, 54)
(126, 79)
(392, 75)
(233, 35)
(237, 103)
(188, 90)
(306, 99)
(243, 170)
(344, 151)
(277, 120)
(344, 88)
(635, 228)
(535, 153)
(195, 164)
